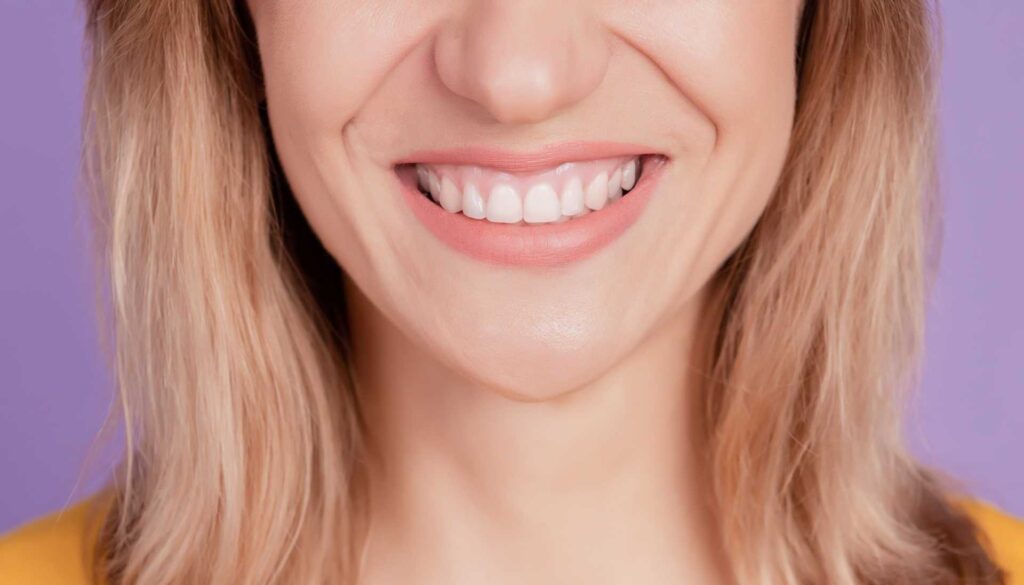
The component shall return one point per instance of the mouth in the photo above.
(541, 209)
(570, 190)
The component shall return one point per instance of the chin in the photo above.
(537, 365)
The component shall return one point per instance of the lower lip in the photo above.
(536, 245)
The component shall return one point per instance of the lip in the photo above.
(537, 245)
(526, 162)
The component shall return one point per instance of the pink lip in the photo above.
(540, 245)
(513, 162)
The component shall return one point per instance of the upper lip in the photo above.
(519, 161)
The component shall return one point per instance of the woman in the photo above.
(632, 292)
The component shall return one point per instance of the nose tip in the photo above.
(522, 61)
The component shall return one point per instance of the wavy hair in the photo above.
(230, 347)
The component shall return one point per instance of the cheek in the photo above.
(757, 96)
(322, 60)
(735, 61)
(720, 54)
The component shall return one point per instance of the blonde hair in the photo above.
(230, 345)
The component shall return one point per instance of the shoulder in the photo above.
(53, 549)
(1004, 536)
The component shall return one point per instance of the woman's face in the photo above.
(530, 273)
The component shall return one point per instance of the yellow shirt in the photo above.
(52, 550)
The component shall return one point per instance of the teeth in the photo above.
(541, 205)
(504, 205)
(423, 178)
(597, 192)
(615, 185)
(499, 197)
(435, 187)
(451, 199)
(473, 203)
(629, 175)
(572, 197)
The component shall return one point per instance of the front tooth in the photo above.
(435, 186)
(473, 203)
(504, 205)
(541, 204)
(423, 178)
(451, 199)
(572, 197)
(597, 192)
(629, 175)
(615, 185)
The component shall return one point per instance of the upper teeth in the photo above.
(570, 190)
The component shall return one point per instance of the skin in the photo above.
(532, 425)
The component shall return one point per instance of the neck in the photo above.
(604, 482)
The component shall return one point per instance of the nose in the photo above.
(522, 60)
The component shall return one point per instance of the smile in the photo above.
(541, 209)
(569, 190)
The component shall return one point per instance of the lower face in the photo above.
(528, 190)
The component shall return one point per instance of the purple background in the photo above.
(54, 389)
